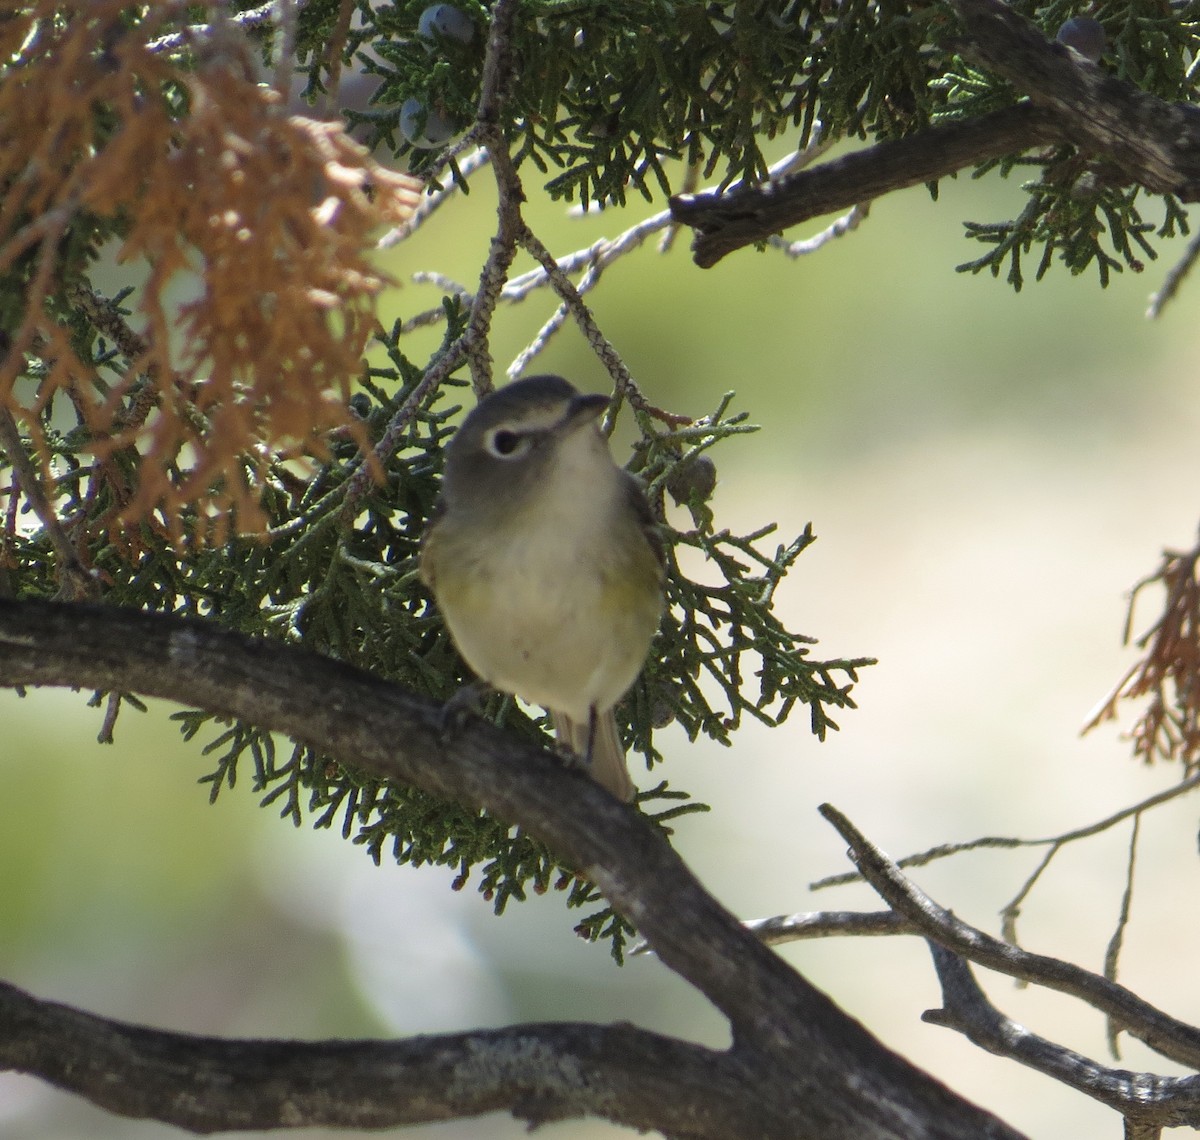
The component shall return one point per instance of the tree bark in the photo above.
(798, 1067)
(1068, 99)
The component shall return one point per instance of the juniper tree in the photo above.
(260, 460)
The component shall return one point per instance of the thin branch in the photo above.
(105, 316)
(250, 18)
(432, 202)
(1174, 279)
(472, 344)
(829, 924)
(943, 850)
(592, 260)
(846, 224)
(286, 14)
(112, 709)
(574, 302)
(808, 925)
(544, 335)
(335, 48)
(1112, 953)
(1164, 1034)
(1011, 910)
(1150, 1100)
(489, 132)
(75, 583)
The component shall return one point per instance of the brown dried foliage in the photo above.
(207, 174)
(1168, 674)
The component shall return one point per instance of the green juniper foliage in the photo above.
(603, 96)
(350, 589)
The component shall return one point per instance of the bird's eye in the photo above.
(504, 443)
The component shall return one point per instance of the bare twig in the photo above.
(1165, 1034)
(250, 18)
(1005, 841)
(808, 925)
(847, 223)
(75, 583)
(1147, 1099)
(1174, 279)
(1011, 911)
(1112, 953)
(112, 709)
(432, 202)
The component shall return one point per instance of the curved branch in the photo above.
(1010, 842)
(1141, 1098)
(813, 1071)
(1154, 143)
(1164, 1034)
(205, 1084)
(726, 221)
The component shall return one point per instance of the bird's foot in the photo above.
(463, 703)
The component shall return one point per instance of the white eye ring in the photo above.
(504, 443)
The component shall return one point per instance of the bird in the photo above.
(546, 563)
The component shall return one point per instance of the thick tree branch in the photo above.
(1153, 143)
(1164, 1034)
(814, 1071)
(539, 1072)
(726, 221)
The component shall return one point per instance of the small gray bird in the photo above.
(546, 562)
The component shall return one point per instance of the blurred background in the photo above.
(988, 475)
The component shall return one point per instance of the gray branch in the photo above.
(798, 1066)
(1068, 99)
(206, 1084)
(1164, 1034)
(1145, 1100)
(726, 221)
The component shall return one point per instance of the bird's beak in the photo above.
(581, 410)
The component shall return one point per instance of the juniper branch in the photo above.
(1155, 143)
(802, 1066)
(1147, 1099)
(1166, 1035)
(726, 221)
(74, 581)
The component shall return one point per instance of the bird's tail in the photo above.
(606, 756)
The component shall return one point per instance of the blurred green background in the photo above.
(988, 474)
